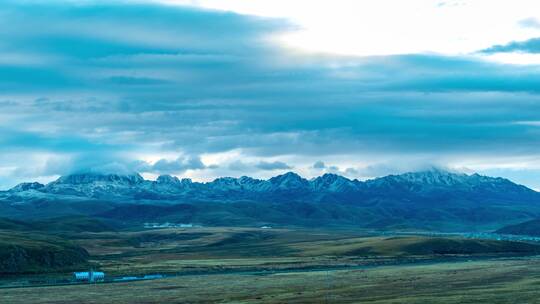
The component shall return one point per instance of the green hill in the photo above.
(73, 224)
(34, 253)
(9, 224)
(443, 246)
(76, 223)
(417, 246)
(531, 228)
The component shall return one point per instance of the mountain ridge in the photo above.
(288, 180)
(425, 199)
(135, 187)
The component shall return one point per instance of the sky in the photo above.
(210, 88)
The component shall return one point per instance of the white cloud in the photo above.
(516, 58)
(386, 27)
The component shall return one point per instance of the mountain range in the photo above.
(431, 199)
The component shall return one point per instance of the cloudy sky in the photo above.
(213, 88)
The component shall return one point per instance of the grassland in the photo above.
(252, 265)
(490, 281)
(230, 248)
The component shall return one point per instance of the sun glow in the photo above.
(386, 27)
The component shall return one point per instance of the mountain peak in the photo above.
(329, 179)
(167, 179)
(332, 182)
(27, 186)
(91, 177)
(289, 180)
(332, 177)
(408, 184)
(433, 176)
(246, 180)
(426, 198)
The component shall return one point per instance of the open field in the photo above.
(490, 281)
(178, 250)
(175, 250)
(248, 265)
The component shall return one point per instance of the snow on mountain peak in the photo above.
(167, 179)
(88, 178)
(112, 186)
(289, 180)
(26, 186)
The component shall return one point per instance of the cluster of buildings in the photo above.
(168, 225)
(502, 237)
(472, 235)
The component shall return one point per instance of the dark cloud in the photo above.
(239, 165)
(319, 165)
(101, 83)
(352, 171)
(276, 165)
(177, 166)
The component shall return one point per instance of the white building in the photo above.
(89, 276)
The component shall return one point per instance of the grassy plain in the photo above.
(178, 250)
(252, 265)
(491, 282)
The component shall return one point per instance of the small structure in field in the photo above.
(152, 276)
(89, 276)
(130, 278)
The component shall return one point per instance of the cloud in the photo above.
(98, 85)
(352, 172)
(377, 168)
(527, 46)
(239, 165)
(179, 165)
(333, 169)
(276, 165)
(319, 165)
(530, 23)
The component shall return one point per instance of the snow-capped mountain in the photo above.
(334, 183)
(95, 185)
(103, 186)
(26, 186)
(432, 198)
(452, 185)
